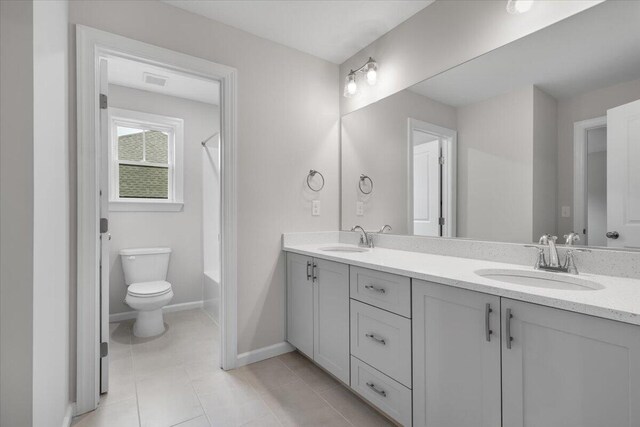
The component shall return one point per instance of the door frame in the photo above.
(580, 152)
(449, 152)
(92, 44)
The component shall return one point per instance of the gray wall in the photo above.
(495, 170)
(181, 231)
(586, 106)
(34, 217)
(597, 198)
(443, 35)
(288, 123)
(545, 164)
(16, 213)
(374, 142)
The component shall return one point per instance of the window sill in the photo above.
(144, 206)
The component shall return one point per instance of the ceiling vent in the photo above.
(154, 79)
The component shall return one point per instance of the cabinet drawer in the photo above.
(382, 340)
(384, 290)
(388, 395)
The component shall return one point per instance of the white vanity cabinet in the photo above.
(456, 357)
(564, 369)
(318, 311)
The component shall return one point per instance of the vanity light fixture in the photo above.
(516, 7)
(369, 69)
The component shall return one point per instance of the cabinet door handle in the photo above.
(508, 318)
(308, 270)
(376, 289)
(487, 322)
(376, 338)
(373, 387)
(315, 272)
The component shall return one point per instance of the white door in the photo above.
(426, 189)
(567, 369)
(623, 176)
(456, 357)
(300, 303)
(105, 236)
(331, 317)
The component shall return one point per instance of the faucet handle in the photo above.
(571, 238)
(540, 260)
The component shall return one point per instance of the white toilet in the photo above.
(145, 273)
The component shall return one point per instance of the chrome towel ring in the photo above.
(363, 179)
(313, 173)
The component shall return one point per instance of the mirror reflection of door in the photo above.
(427, 184)
(623, 176)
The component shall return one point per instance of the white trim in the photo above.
(68, 415)
(91, 45)
(449, 152)
(127, 315)
(264, 353)
(138, 205)
(580, 130)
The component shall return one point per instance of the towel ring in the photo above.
(313, 173)
(364, 178)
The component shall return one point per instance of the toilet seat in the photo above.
(149, 289)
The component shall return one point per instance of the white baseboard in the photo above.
(263, 353)
(68, 415)
(119, 317)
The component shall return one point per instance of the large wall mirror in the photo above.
(541, 136)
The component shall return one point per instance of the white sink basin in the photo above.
(540, 279)
(344, 249)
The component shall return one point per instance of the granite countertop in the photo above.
(618, 300)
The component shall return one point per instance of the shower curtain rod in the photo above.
(204, 143)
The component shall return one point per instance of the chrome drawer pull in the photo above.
(373, 387)
(508, 318)
(376, 338)
(308, 270)
(487, 325)
(373, 288)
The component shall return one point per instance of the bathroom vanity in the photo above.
(435, 340)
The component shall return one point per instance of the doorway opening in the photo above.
(156, 213)
(431, 177)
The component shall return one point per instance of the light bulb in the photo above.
(372, 76)
(519, 6)
(352, 88)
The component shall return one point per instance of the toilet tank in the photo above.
(145, 264)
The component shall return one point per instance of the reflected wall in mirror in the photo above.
(541, 136)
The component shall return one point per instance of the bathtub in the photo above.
(211, 294)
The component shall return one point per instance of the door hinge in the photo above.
(103, 101)
(441, 221)
(104, 349)
(104, 225)
(442, 160)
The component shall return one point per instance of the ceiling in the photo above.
(333, 30)
(580, 54)
(129, 73)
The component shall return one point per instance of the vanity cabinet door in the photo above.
(331, 317)
(300, 302)
(566, 369)
(456, 362)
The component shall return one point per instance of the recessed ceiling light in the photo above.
(154, 79)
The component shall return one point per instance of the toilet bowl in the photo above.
(145, 271)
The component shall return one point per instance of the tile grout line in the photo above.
(317, 393)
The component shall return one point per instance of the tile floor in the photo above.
(174, 380)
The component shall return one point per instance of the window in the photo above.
(145, 161)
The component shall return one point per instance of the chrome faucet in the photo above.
(385, 228)
(569, 265)
(549, 240)
(365, 239)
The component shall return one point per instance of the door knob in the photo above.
(613, 234)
